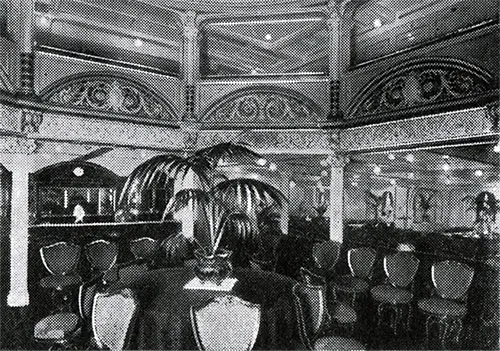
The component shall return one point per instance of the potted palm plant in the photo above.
(224, 211)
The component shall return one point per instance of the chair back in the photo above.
(451, 279)
(86, 294)
(144, 247)
(226, 323)
(326, 254)
(361, 261)
(129, 273)
(60, 258)
(112, 317)
(101, 254)
(311, 310)
(309, 278)
(400, 268)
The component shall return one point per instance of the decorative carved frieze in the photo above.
(314, 141)
(30, 120)
(261, 105)
(16, 145)
(422, 83)
(60, 127)
(493, 113)
(9, 118)
(110, 93)
(431, 129)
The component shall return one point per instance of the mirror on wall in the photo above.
(438, 189)
(73, 192)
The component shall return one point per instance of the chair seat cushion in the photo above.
(391, 294)
(57, 326)
(343, 313)
(337, 343)
(60, 281)
(439, 306)
(350, 284)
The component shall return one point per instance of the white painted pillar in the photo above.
(285, 209)
(18, 294)
(337, 197)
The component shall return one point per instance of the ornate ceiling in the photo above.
(244, 37)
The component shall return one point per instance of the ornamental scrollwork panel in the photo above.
(422, 83)
(110, 94)
(259, 105)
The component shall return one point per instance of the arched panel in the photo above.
(264, 104)
(421, 83)
(109, 93)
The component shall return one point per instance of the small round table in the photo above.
(164, 320)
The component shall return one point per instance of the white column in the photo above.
(337, 197)
(18, 294)
(285, 208)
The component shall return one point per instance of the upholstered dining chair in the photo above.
(101, 255)
(400, 270)
(340, 315)
(57, 330)
(113, 315)
(326, 255)
(451, 280)
(144, 248)
(61, 260)
(226, 323)
(313, 321)
(360, 261)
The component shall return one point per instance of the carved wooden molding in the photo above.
(421, 83)
(99, 131)
(5, 83)
(273, 141)
(17, 145)
(111, 93)
(438, 128)
(264, 104)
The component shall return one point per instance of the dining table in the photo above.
(163, 320)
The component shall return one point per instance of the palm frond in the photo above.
(242, 194)
(225, 152)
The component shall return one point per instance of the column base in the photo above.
(18, 299)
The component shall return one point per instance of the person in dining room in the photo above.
(79, 210)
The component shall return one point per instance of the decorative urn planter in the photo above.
(213, 268)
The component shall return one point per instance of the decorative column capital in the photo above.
(338, 160)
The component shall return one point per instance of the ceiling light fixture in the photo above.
(377, 169)
(273, 167)
(496, 148)
(261, 161)
(44, 21)
(292, 184)
(324, 173)
(446, 167)
(78, 171)
(411, 175)
(268, 37)
(478, 173)
(377, 23)
(410, 36)
(392, 181)
(391, 156)
(447, 181)
(354, 184)
(138, 42)
(410, 158)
